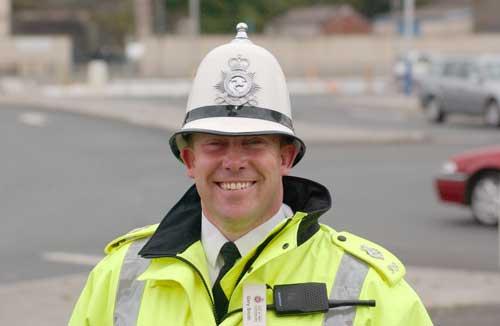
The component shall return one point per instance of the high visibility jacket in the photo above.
(158, 275)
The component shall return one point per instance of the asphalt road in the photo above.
(69, 184)
(373, 113)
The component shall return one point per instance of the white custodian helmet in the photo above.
(239, 89)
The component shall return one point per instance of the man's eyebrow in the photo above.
(212, 138)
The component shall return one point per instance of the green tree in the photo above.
(220, 16)
(113, 18)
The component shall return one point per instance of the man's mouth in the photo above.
(236, 185)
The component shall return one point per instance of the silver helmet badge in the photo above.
(237, 86)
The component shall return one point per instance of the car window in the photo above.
(491, 70)
(437, 69)
(463, 70)
(450, 69)
(474, 72)
(455, 69)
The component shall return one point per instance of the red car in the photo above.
(473, 179)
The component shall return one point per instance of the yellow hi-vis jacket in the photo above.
(158, 275)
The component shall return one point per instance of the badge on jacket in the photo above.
(254, 305)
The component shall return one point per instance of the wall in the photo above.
(312, 57)
(486, 15)
(5, 8)
(43, 58)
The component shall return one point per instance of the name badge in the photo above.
(254, 305)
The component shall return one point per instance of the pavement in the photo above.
(50, 301)
(113, 101)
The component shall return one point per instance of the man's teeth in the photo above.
(235, 185)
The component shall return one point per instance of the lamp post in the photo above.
(409, 26)
(5, 11)
(142, 13)
(194, 16)
(409, 19)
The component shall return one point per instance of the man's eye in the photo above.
(213, 144)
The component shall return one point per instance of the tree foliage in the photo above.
(220, 16)
(115, 18)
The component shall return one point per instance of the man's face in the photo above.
(239, 178)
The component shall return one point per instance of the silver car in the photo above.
(462, 85)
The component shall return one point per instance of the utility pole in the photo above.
(5, 11)
(194, 16)
(395, 8)
(409, 19)
(160, 17)
(143, 21)
(409, 31)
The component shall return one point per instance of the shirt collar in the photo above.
(213, 240)
(181, 227)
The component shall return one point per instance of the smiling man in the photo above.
(238, 178)
(243, 246)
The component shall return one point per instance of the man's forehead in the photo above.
(201, 136)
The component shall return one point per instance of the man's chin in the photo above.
(235, 215)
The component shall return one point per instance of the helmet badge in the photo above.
(237, 86)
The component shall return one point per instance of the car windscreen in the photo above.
(491, 70)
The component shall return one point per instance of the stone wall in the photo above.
(312, 57)
(43, 58)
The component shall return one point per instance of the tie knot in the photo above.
(230, 253)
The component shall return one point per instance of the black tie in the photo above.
(230, 253)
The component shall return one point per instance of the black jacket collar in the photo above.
(181, 227)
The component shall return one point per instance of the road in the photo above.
(371, 112)
(71, 183)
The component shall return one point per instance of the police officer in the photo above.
(245, 229)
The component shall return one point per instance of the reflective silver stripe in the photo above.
(129, 294)
(347, 286)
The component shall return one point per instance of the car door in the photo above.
(467, 88)
(472, 91)
(449, 87)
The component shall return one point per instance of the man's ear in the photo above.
(187, 157)
(288, 154)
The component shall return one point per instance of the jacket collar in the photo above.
(181, 227)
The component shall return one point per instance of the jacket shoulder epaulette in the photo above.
(135, 234)
(383, 261)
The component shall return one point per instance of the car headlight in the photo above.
(449, 167)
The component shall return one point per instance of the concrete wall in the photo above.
(5, 9)
(44, 58)
(486, 15)
(311, 57)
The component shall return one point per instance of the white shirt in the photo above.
(213, 240)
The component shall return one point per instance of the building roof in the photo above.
(319, 19)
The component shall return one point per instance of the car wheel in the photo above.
(492, 114)
(485, 199)
(433, 111)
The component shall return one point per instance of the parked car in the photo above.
(473, 179)
(465, 85)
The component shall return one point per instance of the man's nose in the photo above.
(234, 159)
